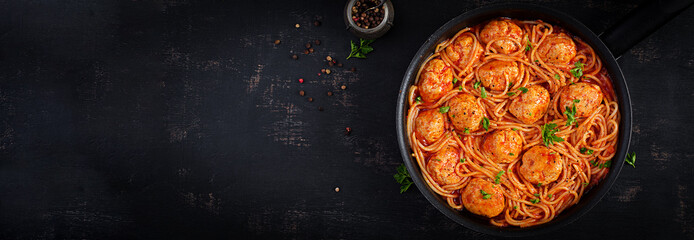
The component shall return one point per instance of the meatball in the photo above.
(557, 49)
(460, 50)
(503, 145)
(531, 105)
(435, 80)
(588, 96)
(501, 29)
(541, 165)
(465, 112)
(441, 166)
(483, 198)
(429, 125)
(494, 74)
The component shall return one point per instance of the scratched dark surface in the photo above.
(176, 119)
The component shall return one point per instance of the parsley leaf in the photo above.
(403, 178)
(585, 150)
(570, 115)
(577, 71)
(483, 94)
(485, 195)
(361, 50)
(467, 130)
(528, 46)
(548, 134)
(477, 85)
(606, 164)
(498, 177)
(534, 201)
(444, 109)
(419, 99)
(556, 76)
(455, 80)
(631, 159)
(485, 123)
(460, 88)
(510, 93)
(462, 160)
(524, 90)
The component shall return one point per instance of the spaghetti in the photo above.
(513, 120)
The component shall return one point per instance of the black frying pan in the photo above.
(609, 46)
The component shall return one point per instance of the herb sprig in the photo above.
(577, 71)
(497, 178)
(631, 159)
(570, 113)
(403, 177)
(361, 50)
(485, 195)
(548, 134)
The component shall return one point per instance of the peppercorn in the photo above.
(295, 57)
(316, 23)
(348, 130)
(310, 50)
(353, 69)
(317, 42)
(306, 51)
(302, 93)
(308, 45)
(277, 42)
(330, 93)
(339, 64)
(344, 87)
(310, 99)
(320, 109)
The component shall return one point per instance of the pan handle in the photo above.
(640, 23)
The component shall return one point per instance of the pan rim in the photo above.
(593, 196)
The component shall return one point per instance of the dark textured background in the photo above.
(177, 119)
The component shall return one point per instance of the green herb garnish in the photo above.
(524, 90)
(485, 123)
(419, 99)
(477, 85)
(548, 134)
(556, 76)
(606, 164)
(361, 50)
(577, 71)
(498, 177)
(528, 46)
(455, 80)
(631, 159)
(585, 150)
(570, 114)
(483, 93)
(403, 178)
(462, 160)
(467, 130)
(534, 201)
(485, 195)
(460, 88)
(444, 109)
